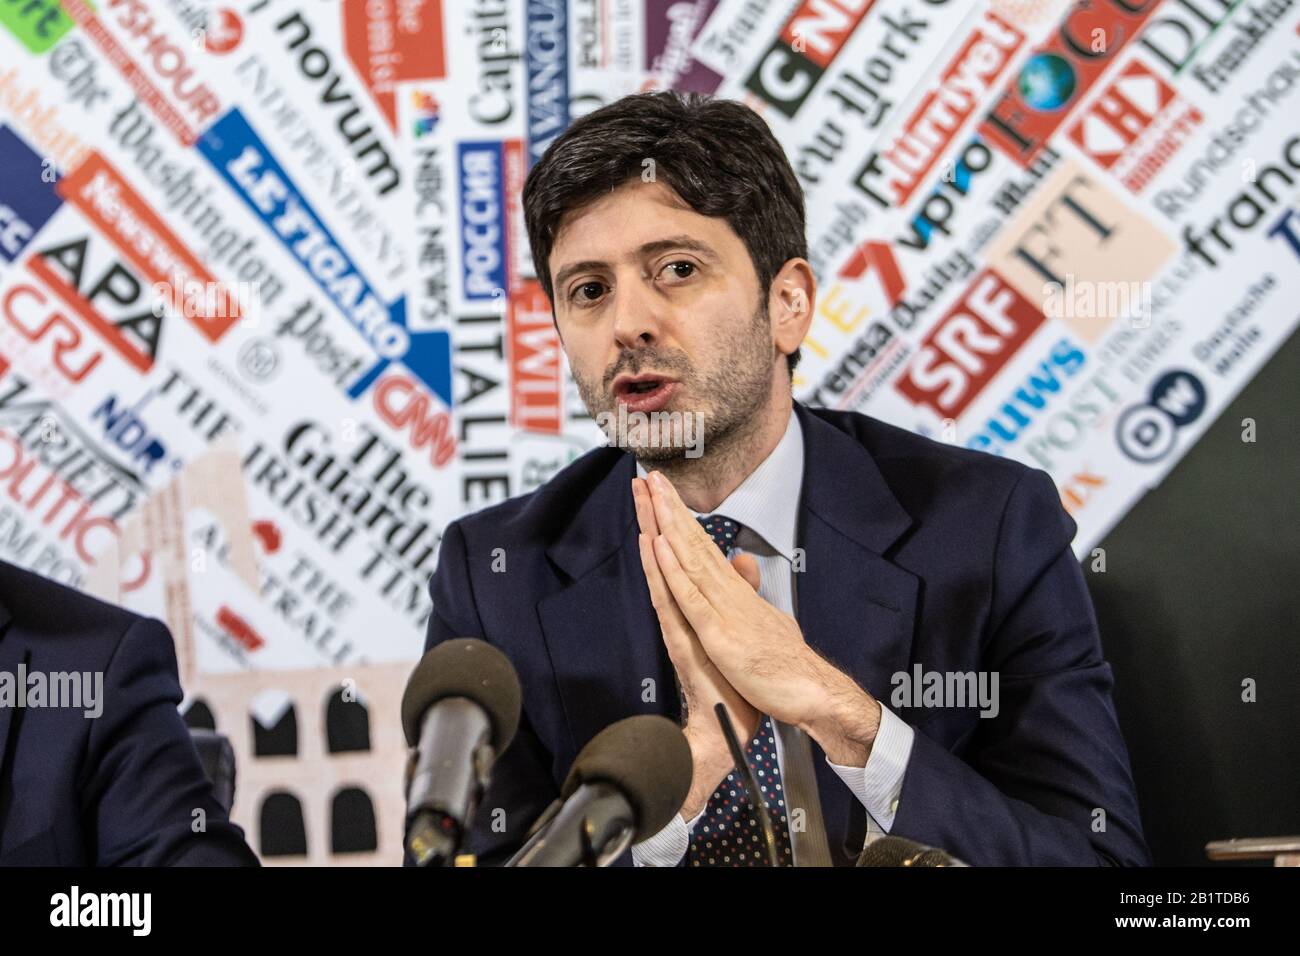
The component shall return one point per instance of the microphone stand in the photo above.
(751, 783)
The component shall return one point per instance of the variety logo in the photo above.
(248, 166)
(1035, 104)
(967, 347)
(1135, 126)
(941, 114)
(804, 49)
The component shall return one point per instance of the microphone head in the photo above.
(646, 758)
(464, 667)
(896, 851)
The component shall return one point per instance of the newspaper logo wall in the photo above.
(268, 320)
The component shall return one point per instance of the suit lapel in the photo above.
(601, 630)
(855, 607)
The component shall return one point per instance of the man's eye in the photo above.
(588, 291)
(680, 270)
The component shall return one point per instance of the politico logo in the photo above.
(969, 345)
(1135, 126)
(804, 49)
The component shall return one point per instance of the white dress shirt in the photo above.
(766, 506)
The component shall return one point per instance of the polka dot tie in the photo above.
(729, 833)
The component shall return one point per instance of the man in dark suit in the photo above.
(834, 581)
(97, 767)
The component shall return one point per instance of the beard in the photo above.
(729, 395)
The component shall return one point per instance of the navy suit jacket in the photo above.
(117, 789)
(917, 552)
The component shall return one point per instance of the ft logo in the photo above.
(804, 49)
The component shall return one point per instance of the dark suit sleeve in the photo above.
(521, 785)
(1037, 783)
(142, 780)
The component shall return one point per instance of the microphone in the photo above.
(897, 851)
(625, 785)
(460, 710)
(750, 781)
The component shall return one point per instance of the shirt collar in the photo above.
(767, 501)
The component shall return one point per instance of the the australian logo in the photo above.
(247, 165)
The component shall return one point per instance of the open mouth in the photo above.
(643, 391)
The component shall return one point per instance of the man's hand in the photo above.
(758, 649)
(702, 683)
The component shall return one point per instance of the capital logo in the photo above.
(1148, 432)
(804, 49)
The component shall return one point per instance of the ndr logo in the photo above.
(804, 49)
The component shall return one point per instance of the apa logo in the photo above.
(1147, 433)
(108, 296)
(426, 113)
(223, 32)
(804, 49)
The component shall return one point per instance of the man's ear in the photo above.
(790, 304)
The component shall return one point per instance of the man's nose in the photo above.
(638, 317)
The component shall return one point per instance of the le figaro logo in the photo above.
(248, 166)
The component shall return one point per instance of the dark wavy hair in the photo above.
(718, 155)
